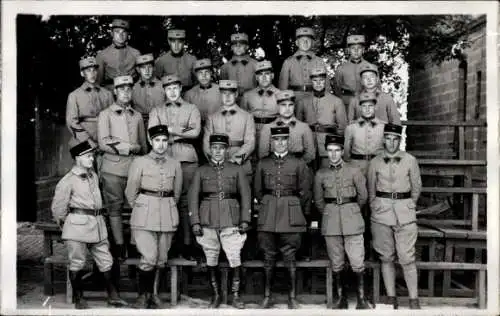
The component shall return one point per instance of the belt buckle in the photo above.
(96, 212)
(162, 193)
(339, 200)
(394, 195)
(221, 196)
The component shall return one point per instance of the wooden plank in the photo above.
(475, 211)
(462, 190)
(376, 284)
(430, 276)
(173, 285)
(442, 154)
(439, 301)
(461, 143)
(479, 123)
(444, 222)
(452, 162)
(482, 289)
(448, 257)
(329, 287)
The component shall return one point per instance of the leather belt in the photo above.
(236, 143)
(86, 211)
(280, 193)
(340, 201)
(323, 129)
(347, 92)
(87, 118)
(264, 120)
(185, 141)
(161, 194)
(304, 88)
(394, 195)
(362, 157)
(219, 196)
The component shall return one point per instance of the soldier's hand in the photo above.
(244, 227)
(197, 230)
(60, 223)
(135, 149)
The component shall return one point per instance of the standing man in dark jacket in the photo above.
(219, 219)
(282, 187)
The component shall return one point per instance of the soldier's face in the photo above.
(391, 143)
(239, 48)
(356, 51)
(173, 92)
(369, 79)
(204, 76)
(218, 152)
(159, 144)
(304, 43)
(367, 109)
(146, 71)
(280, 144)
(318, 83)
(176, 45)
(123, 94)
(120, 36)
(89, 74)
(264, 78)
(335, 153)
(286, 108)
(228, 97)
(86, 160)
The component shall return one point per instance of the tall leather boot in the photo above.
(362, 302)
(237, 302)
(267, 303)
(155, 300)
(214, 282)
(114, 298)
(115, 222)
(142, 301)
(341, 302)
(393, 300)
(76, 282)
(292, 301)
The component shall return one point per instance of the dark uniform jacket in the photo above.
(219, 196)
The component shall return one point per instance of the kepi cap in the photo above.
(304, 31)
(119, 23)
(158, 130)
(355, 39)
(81, 148)
(176, 33)
(334, 140)
(219, 139)
(285, 95)
(280, 131)
(263, 65)
(170, 79)
(318, 72)
(202, 64)
(87, 63)
(367, 96)
(368, 67)
(239, 38)
(393, 129)
(228, 85)
(144, 59)
(123, 80)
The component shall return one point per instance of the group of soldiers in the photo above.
(242, 159)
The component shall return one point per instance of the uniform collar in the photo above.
(299, 54)
(319, 94)
(233, 107)
(178, 103)
(280, 156)
(269, 91)
(217, 164)
(180, 55)
(292, 122)
(81, 172)
(396, 158)
(118, 109)
(210, 85)
(156, 156)
(357, 63)
(86, 86)
(337, 167)
(151, 82)
(121, 47)
(240, 59)
(374, 121)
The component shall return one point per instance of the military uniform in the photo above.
(83, 106)
(78, 204)
(394, 186)
(297, 68)
(282, 186)
(153, 188)
(184, 119)
(339, 191)
(240, 68)
(116, 61)
(213, 204)
(180, 65)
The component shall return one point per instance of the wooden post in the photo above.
(173, 285)
(329, 289)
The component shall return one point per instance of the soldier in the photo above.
(118, 59)
(148, 92)
(385, 109)
(282, 187)
(77, 209)
(324, 112)
(296, 68)
(241, 67)
(153, 189)
(184, 125)
(394, 186)
(238, 124)
(347, 80)
(121, 136)
(219, 219)
(176, 61)
(339, 192)
(85, 103)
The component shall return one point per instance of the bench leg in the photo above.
(376, 284)
(430, 273)
(48, 279)
(223, 284)
(69, 288)
(482, 289)
(329, 289)
(173, 285)
(447, 274)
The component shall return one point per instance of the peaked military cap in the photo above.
(144, 59)
(263, 65)
(123, 80)
(304, 31)
(367, 96)
(334, 140)
(158, 130)
(202, 64)
(219, 139)
(81, 148)
(228, 85)
(239, 38)
(393, 129)
(318, 72)
(355, 39)
(280, 131)
(368, 67)
(285, 95)
(176, 33)
(120, 24)
(87, 63)
(169, 80)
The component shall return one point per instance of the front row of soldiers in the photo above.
(219, 203)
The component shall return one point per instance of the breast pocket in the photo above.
(290, 179)
(269, 179)
(348, 189)
(296, 218)
(209, 183)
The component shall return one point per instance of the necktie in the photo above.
(362, 123)
(291, 123)
(319, 94)
(89, 89)
(268, 92)
(299, 57)
(224, 112)
(337, 167)
(395, 159)
(242, 61)
(86, 175)
(176, 55)
(206, 88)
(173, 103)
(143, 83)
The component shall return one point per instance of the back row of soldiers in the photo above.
(248, 132)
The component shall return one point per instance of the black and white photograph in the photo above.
(218, 156)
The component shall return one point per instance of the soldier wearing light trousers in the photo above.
(153, 189)
(394, 185)
(339, 191)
